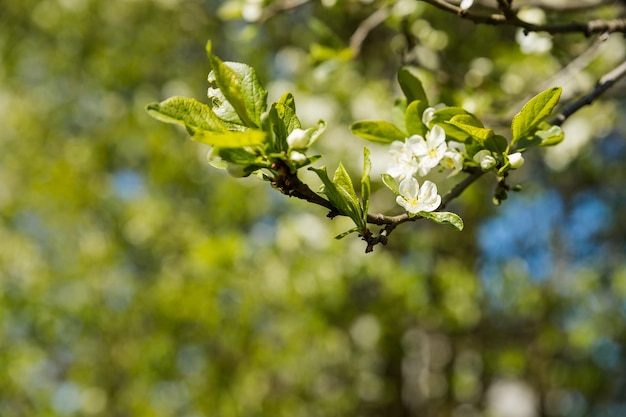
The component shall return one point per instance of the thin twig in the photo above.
(575, 66)
(571, 6)
(280, 7)
(510, 19)
(366, 26)
(603, 84)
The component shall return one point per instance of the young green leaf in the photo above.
(192, 114)
(534, 112)
(347, 232)
(377, 131)
(444, 217)
(288, 100)
(496, 144)
(343, 182)
(479, 133)
(365, 184)
(391, 183)
(411, 85)
(341, 194)
(241, 87)
(249, 137)
(550, 137)
(413, 119)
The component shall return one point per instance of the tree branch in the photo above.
(366, 26)
(509, 18)
(603, 84)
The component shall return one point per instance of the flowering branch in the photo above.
(509, 17)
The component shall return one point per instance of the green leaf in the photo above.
(458, 115)
(497, 144)
(377, 131)
(413, 119)
(288, 100)
(344, 183)
(391, 183)
(191, 113)
(366, 187)
(534, 112)
(316, 132)
(220, 105)
(249, 137)
(447, 114)
(444, 217)
(479, 133)
(341, 194)
(411, 85)
(347, 232)
(241, 87)
(237, 156)
(550, 137)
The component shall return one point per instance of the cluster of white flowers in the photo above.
(418, 155)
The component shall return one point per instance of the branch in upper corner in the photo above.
(603, 84)
(510, 19)
(366, 26)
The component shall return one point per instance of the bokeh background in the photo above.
(136, 280)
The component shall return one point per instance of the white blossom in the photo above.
(453, 158)
(403, 162)
(415, 199)
(516, 160)
(430, 150)
(485, 159)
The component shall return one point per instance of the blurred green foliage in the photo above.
(135, 280)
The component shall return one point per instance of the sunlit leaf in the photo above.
(534, 112)
(413, 119)
(550, 137)
(365, 183)
(241, 86)
(411, 85)
(191, 113)
(444, 217)
(249, 137)
(377, 131)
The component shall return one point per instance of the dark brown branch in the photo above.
(571, 6)
(289, 184)
(603, 84)
(509, 18)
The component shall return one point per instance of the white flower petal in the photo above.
(466, 4)
(428, 198)
(427, 116)
(436, 136)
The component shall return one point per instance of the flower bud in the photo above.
(297, 157)
(485, 159)
(516, 160)
(298, 139)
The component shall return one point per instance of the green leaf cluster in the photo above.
(236, 122)
(341, 193)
